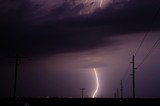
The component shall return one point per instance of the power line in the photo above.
(127, 81)
(150, 52)
(139, 47)
(126, 71)
(147, 32)
(126, 84)
(141, 43)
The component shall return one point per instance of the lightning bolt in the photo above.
(97, 83)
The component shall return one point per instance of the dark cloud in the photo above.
(77, 43)
(26, 31)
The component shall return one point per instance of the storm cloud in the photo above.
(65, 39)
(29, 27)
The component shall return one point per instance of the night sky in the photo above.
(65, 39)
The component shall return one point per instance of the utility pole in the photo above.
(17, 57)
(82, 90)
(121, 89)
(133, 75)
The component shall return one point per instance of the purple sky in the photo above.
(65, 39)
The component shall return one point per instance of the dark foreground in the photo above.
(75, 101)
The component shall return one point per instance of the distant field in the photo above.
(74, 101)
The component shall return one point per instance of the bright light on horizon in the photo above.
(97, 84)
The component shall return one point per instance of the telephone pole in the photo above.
(82, 90)
(133, 75)
(17, 57)
(121, 89)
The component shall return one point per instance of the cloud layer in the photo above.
(53, 27)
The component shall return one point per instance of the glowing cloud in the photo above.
(97, 84)
(101, 4)
(90, 6)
